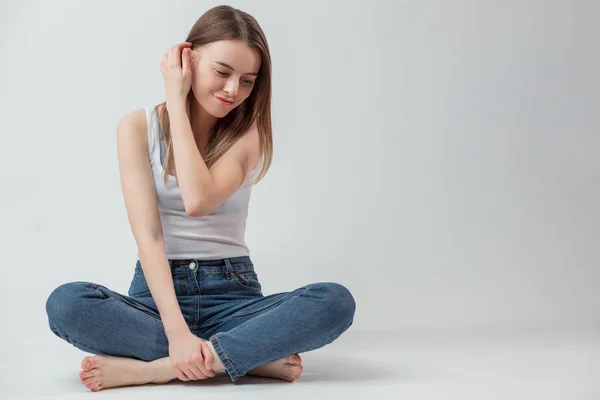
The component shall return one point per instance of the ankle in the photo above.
(161, 370)
(217, 365)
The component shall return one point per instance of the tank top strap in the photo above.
(150, 123)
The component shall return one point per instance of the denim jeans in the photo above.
(221, 301)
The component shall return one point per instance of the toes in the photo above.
(294, 372)
(92, 384)
(294, 359)
(88, 363)
(94, 387)
(89, 383)
(86, 374)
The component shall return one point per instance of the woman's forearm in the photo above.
(193, 176)
(158, 276)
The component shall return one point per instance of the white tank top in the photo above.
(220, 234)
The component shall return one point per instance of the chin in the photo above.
(220, 114)
(217, 114)
(214, 111)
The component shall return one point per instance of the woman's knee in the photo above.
(63, 303)
(344, 301)
(338, 299)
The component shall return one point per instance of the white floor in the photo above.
(475, 365)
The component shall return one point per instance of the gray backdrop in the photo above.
(439, 158)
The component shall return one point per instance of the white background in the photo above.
(438, 158)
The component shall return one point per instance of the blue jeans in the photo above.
(221, 301)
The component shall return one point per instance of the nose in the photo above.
(232, 87)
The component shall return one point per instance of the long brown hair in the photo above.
(225, 23)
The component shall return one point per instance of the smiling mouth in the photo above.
(223, 101)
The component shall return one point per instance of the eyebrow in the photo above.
(231, 68)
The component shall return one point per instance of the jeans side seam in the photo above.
(325, 341)
(85, 348)
(319, 344)
(223, 355)
(242, 313)
(115, 298)
(136, 310)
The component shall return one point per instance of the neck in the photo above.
(202, 122)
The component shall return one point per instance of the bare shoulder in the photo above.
(134, 124)
(136, 177)
(132, 140)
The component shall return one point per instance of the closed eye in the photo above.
(225, 74)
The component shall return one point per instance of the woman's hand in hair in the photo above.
(191, 356)
(176, 68)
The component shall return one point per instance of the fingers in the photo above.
(181, 376)
(174, 53)
(208, 357)
(200, 362)
(196, 372)
(195, 369)
(182, 373)
(189, 372)
(186, 61)
(174, 57)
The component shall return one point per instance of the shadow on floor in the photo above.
(317, 370)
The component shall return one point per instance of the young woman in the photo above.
(195, 306)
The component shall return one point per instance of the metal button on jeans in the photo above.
(192, 265)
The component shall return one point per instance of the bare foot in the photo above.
(288, 369)
(103, 372)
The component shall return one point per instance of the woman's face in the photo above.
(225, 69)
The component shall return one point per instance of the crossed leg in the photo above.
(132, 349)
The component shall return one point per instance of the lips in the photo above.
(224, 100)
